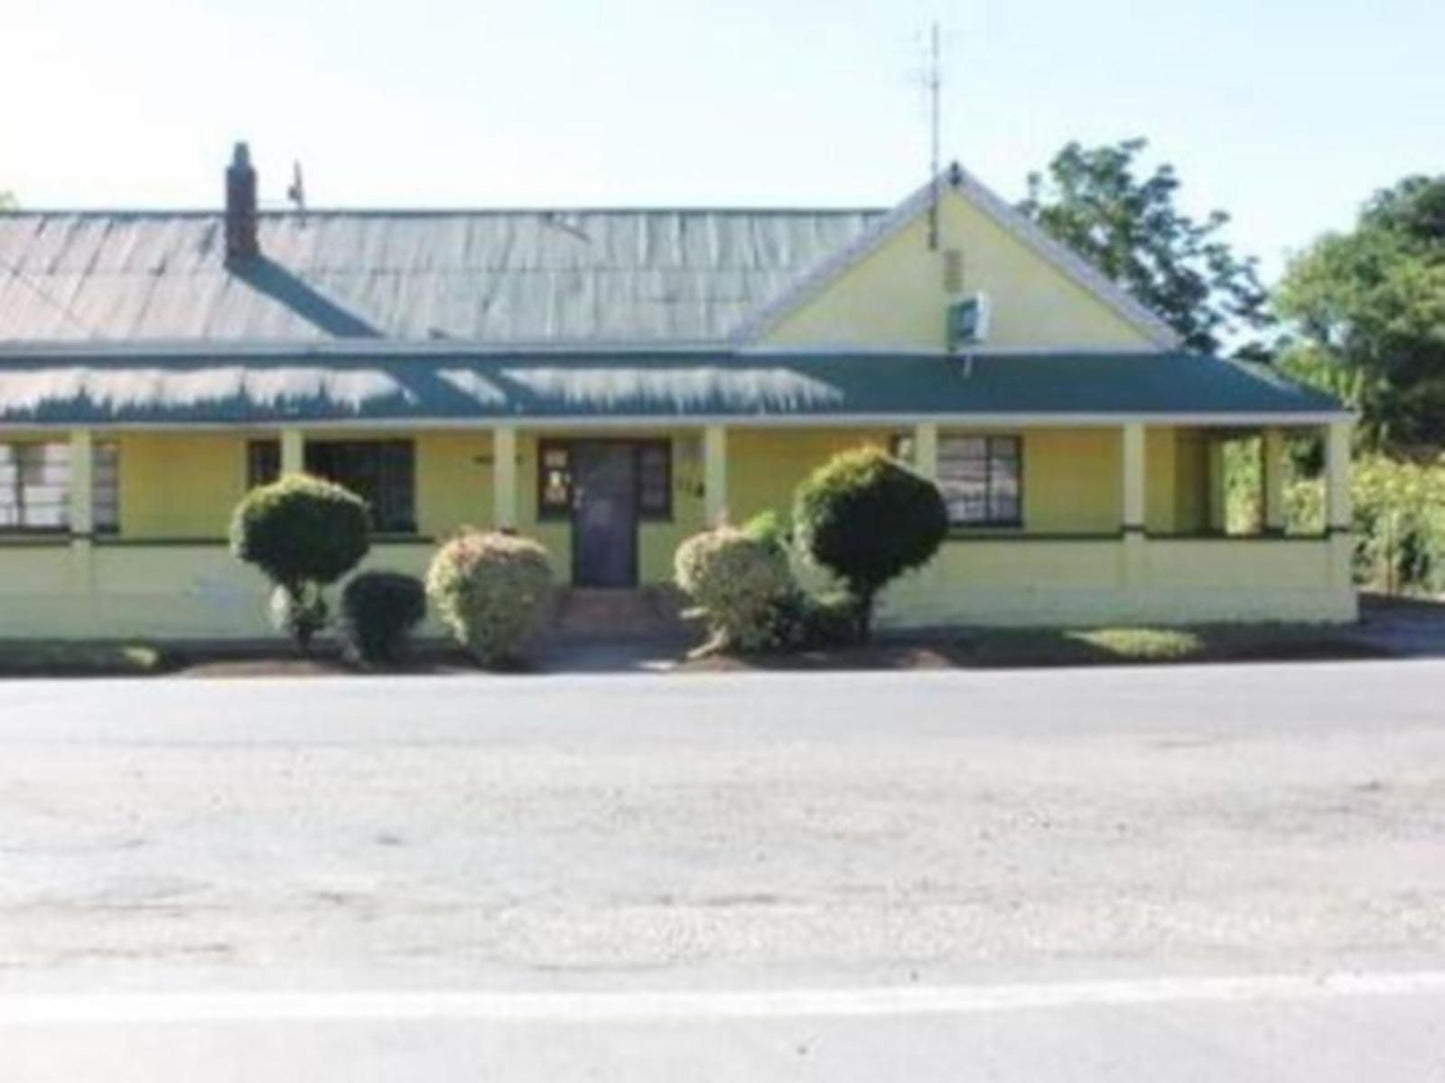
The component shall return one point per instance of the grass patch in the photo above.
(1146, 645)
(57, 658)
(1143, 644)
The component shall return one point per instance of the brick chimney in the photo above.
(241, 207)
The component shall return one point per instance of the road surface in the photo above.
(1192, 872)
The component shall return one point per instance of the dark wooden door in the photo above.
(604, 524)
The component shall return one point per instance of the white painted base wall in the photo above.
(199, 591)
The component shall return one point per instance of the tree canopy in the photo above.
(1368, 307)
(1097, 201)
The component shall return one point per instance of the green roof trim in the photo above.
(171, 388)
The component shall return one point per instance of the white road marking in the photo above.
(658, 1005)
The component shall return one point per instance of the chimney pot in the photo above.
(241, 243)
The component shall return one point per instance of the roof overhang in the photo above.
(593, 389)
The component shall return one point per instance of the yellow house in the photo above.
(610, 381)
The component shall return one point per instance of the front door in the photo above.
(604, 523)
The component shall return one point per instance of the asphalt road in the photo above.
(1190, 873)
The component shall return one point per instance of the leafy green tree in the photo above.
(7, 201)
(1097, 201)
(1368, 307)
(303, 533)
(868, 518)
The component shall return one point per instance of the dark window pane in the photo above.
(263, 462)
(381, 472)
(105, 487)
(980, 478)
(654, 480)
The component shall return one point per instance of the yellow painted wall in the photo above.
(180, 485)
(766, 465)
(183, 486)
(1072, 481)
(1191, 481)
(894, 297)
(453, 482)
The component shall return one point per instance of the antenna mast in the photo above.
(935, 80)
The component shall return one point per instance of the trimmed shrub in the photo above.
(378, 612)
(302, 533)
(868, 518)
(491, 590)
(798, 621)
(735, 580)
(771, 528)
(298, 613)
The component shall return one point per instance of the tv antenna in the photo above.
(934, 84)
(297, 192)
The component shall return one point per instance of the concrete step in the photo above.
(644, 613)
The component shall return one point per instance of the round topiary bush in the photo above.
(737, 581)
(302, 533)
(868, 518)
(378, 612)
(491, 590)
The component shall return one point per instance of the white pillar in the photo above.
(1337, 477)
(925, 450)
(82, 511)
(293, 452)
(1272, 472)
(1338, 517)
(715, 474)
(504, 478)
(1218, 487)
(82, 483)
(1133, 478)
(1134, 570)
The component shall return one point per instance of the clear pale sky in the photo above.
(1284, 112)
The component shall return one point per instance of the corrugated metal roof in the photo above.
(456, 386)
(594, 276)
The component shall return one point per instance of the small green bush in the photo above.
(378, 612)
(868, 518)
(771, 528)
(492, 591)
(735, 580)
(1399, 524)
(797, 621)
(303, 534)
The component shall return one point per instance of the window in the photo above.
(981, 479)
(554, 480)
(381, 472)
(263, 462)
(652, 461)
(654, 480)
(35, 486)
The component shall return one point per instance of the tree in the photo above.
(1368, 308)
(868, 519)
(304, 534)
(1095, 201)
(7, 201)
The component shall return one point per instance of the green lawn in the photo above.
(1118, 645)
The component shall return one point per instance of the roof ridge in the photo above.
(812, 281)
(421, 212)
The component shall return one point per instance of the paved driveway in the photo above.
(731, 833)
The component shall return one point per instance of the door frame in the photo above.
(635, 445)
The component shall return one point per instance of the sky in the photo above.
(1285, 113)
